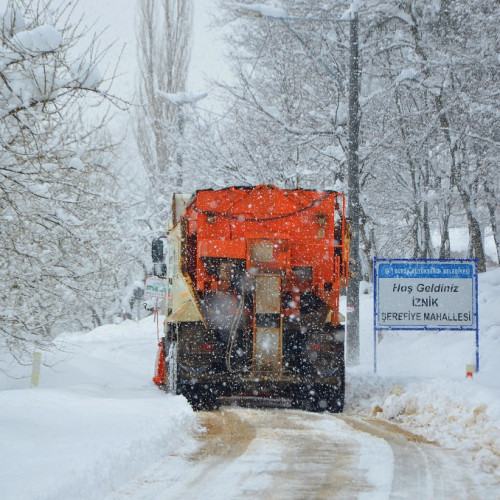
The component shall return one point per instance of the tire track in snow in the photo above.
(287, 454)
(422, 469)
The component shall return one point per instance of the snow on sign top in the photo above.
(425, 294)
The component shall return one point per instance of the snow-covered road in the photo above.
(284, 454)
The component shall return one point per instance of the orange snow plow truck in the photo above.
(254, 276)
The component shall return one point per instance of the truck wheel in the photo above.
(336, 398)
(323, 398)
(305, 397)
(328, 398)
(202, 397)
(336, 403)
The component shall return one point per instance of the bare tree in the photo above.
(429, 118)
(431, 98)
(164, 43)
(285, 107)
(60, 209)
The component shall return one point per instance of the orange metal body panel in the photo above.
(297, 228)
(227, 249)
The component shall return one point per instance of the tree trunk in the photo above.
(445, 249)
(368, 244)
(495, 229)
(475, 234)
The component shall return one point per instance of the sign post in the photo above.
(425, 294)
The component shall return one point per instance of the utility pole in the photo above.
(353, 207)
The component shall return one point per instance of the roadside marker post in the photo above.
(425, 294)
(35, 369)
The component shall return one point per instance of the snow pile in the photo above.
(89, 444)
(95, 420)
(452, 413)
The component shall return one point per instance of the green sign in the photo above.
(155, 287)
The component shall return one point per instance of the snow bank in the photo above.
(95, 420)
(459, 415)
(61, 444)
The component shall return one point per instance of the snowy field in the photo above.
(96, 420)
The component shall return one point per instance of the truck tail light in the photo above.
(208, 347)
(323, 347)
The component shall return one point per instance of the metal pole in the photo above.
(353, 211)
(477, 314)
(181, 122)
(375, 332)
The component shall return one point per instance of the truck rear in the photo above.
(254, 276)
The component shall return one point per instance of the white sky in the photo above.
(119, 17)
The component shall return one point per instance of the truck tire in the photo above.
(305, 397)
(319, 398)
(201, 397)
(338, 395)
(336, 400)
